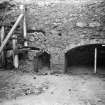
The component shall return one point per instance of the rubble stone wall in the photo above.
(60, 25)
(65, 26)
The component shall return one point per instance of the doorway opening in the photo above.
(42, 62)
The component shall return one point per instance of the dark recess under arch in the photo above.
(41, 61)
(82, 57)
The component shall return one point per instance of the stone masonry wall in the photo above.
(60, 25)
(65, 26)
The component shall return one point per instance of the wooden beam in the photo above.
(1, 41)
(25, 31)
(2, 34)
(10, 33)
(95, 60)
(22, 8)
(15, 56)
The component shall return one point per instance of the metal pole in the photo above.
(95, 60)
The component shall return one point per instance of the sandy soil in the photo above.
(17, 88)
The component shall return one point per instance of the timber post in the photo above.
(15, 55)
(1, 40)
(22, 7)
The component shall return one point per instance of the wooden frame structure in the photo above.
(14, 40)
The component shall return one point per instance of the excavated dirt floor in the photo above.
(17, 88)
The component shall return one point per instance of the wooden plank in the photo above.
(15, 56)
(10, 33)
(95, 60)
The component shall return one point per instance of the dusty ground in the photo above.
(17, 88)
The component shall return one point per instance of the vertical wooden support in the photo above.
(22, 7)
(15, 56)
(1, 41)
(25, 31)
(95, 60)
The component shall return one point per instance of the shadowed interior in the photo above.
(84, 57)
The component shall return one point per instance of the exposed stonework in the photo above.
(67, 26)
(64, 24)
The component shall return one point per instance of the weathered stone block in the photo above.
(94, 24)
(81, 24)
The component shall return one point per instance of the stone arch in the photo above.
(58, 54)
(84, 42)
(84, 56)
